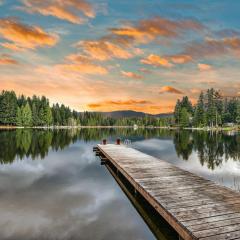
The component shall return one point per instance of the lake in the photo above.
(52, 186)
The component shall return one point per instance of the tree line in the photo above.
(36, 111)
(211, 110)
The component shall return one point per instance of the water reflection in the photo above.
(53, 187)
(36, 143)
(212, 148)
(66, 195)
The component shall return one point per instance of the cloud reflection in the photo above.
(66, 195)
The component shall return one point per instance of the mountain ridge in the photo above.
(131, 113)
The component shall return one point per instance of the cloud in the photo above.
(22, 36)
(195, 51)
(11, 46)
(227, 33)
(157, 61)
(169, 89)
(213, 47)
(144, 70)
(204, 67)
(148, 30)
(7, 60)
(81, 64)
(63, 9)
(180, 59)
(166, 61)
(161, 109)
(131, 75)
(208, 48)
(104, 50)
(129, 102)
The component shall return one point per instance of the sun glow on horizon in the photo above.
(80, 54)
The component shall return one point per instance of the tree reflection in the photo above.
(35, 143)
(183, 144)
(212, 147)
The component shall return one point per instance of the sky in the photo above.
(106, 55)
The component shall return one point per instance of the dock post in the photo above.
(118, 142)
(104, 141)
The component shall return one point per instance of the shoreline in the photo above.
(79, 127)
(108, 127)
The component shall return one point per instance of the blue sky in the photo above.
(112, 55)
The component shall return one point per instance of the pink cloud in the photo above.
(204, 67)
(131, 75)
(63, 9)
(169, 89)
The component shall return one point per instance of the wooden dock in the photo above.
(195, 207)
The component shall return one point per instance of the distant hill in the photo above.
(130, 113)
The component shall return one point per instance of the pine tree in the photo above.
(211, 107)
(187, 104)
(8, 108)
(21, 101)
(63, 115)
(199, 115)
(35, 116)
(238, 113)
(56, 115)
(184, 118)
(19, 121)
(218, 108)
(48, 119)
(41, 121)
(177, 112)
(26, 115)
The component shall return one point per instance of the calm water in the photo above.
(53, 187)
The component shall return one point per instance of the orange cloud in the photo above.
(104, 50)
(82, 64)
(161, 109)
(157, 61)
(180, 59)
(129, 102)
(149, 29)
(204, 67)
(169, 89)
(131, 75)
(11, 46)
(166, 61)
(62, 9)
(7, 60)
(84, 68)
(23, 36)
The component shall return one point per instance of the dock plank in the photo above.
(195, 207)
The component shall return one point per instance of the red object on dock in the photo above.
(118, 142)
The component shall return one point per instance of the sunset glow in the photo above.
(103, 55)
